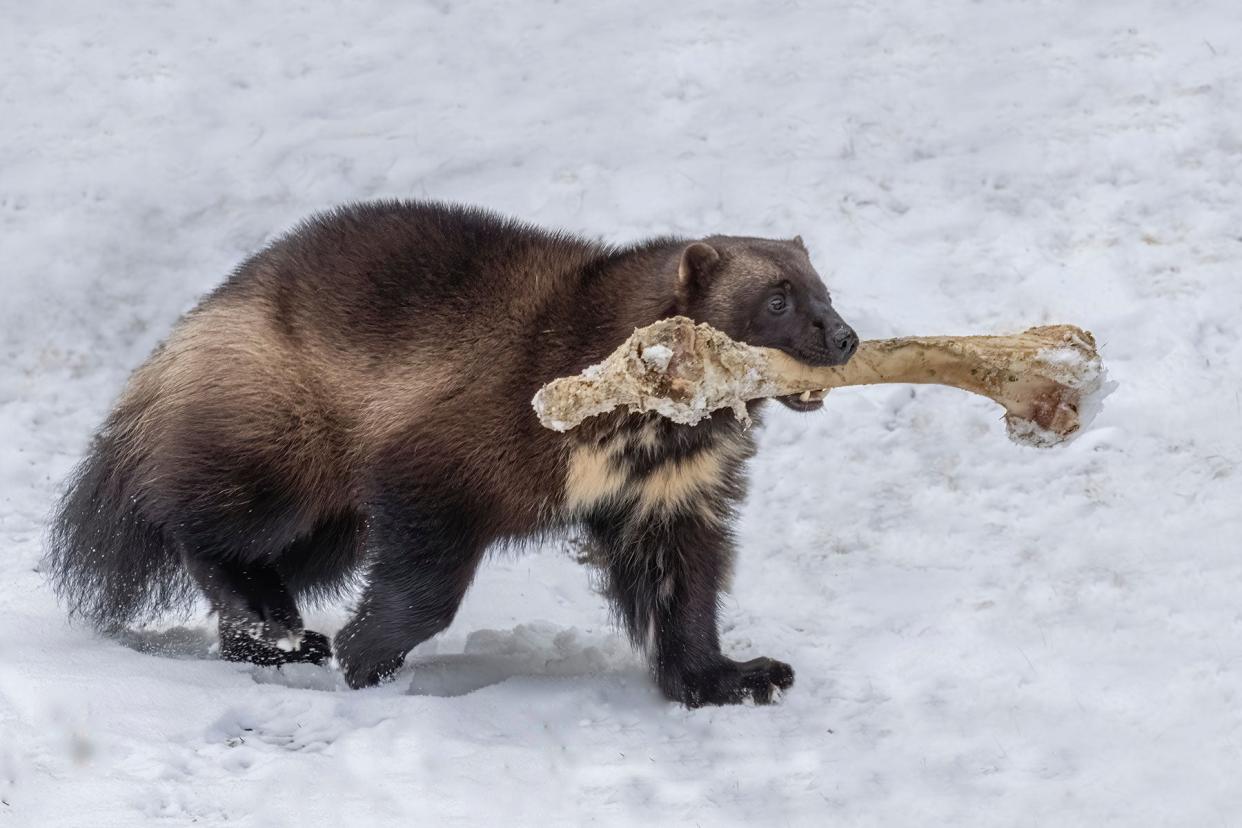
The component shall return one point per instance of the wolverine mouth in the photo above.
(815, 355)
(806, 401)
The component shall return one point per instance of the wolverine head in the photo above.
(764, 292)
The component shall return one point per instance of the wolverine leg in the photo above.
(664, 576)
(423, 557)
(258, 617)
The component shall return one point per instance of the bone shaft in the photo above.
(925, 360)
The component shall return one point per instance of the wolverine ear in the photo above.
(798, 241)
(697, 263)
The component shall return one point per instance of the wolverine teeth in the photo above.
(806, 396)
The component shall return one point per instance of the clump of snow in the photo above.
(1069, 358)
(289, 643)
(1091, 402)
(1076, 366)
(657, 356)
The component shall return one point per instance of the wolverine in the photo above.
(350, 409)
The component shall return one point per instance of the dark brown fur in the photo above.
(356, 397)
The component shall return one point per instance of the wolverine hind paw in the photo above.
(307, 647)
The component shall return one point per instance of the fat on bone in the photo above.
(1050, 380)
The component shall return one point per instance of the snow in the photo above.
(983, 634)
(289, 643)
(657, 356)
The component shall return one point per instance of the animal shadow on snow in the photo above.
(174, 642)
(489, 657)
(536, 650)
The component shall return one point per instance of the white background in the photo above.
(983, 633)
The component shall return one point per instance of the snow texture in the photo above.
(983, 634)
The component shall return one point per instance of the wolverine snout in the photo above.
(840, 340)
(843, 341)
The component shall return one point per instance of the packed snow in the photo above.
(657, 356)
(983, 634)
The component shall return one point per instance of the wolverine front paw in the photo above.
(759, 680)
(360, 674)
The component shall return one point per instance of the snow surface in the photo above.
(984, 634)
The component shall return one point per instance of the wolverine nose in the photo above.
(844, 340)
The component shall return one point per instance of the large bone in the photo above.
(1049, 380)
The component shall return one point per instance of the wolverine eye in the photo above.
(777, 304)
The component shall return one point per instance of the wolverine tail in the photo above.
(105, 560)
